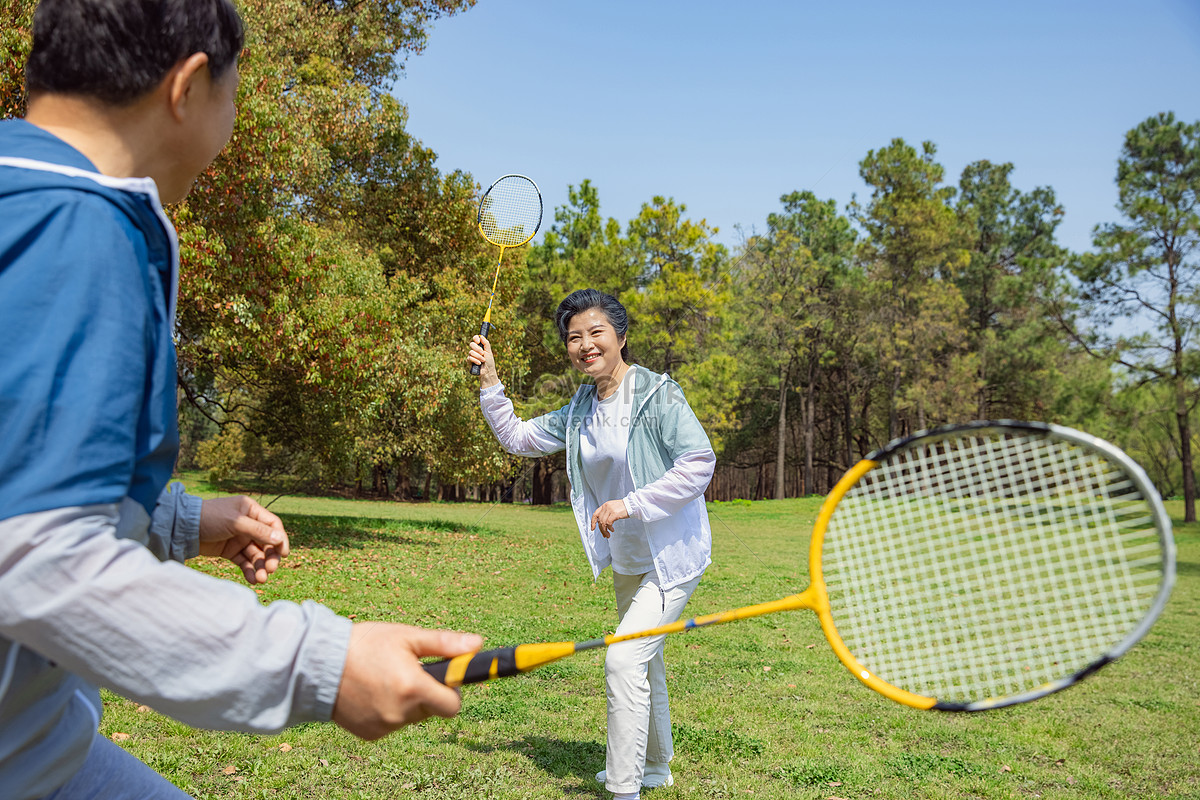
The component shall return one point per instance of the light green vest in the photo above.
(663, 427)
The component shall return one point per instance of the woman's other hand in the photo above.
(608, 514)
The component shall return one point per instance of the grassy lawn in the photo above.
(761, 708)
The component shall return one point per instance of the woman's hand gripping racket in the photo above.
(510, 213)
(964, 568)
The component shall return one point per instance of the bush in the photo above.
(222, 456)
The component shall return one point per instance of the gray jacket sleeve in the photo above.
(175, 525)
(197, 648)
(172, 532)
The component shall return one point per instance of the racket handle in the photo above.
(475, 667)
(499, 663)
(483, 331)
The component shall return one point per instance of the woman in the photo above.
(638, 462)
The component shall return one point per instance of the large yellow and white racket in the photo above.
(964, 568)
(510, 213)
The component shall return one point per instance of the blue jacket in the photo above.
(91, 591)
(87, 363)
(87, 413)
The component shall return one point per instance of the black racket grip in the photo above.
(475, 667)
(483, 331)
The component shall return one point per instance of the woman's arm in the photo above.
(693, 461)
(682, 484)
(518, 436)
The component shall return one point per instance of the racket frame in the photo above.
(856, 473)
(486, 327)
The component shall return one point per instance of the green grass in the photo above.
(761, 708)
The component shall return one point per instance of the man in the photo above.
(128, 101)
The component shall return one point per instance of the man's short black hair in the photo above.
(117, 50)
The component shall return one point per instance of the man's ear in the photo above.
(181, 80)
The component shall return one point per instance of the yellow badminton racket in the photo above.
(963, 568)
(510, 213)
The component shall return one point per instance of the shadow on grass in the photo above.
(354, 533)
(1187, 568)
(574, 761)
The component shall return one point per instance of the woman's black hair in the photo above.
(584, 299)
(118, 50)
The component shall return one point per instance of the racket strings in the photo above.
(987, 566)
(1068, 602)
(511, 211)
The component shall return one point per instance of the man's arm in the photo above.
(201, 649)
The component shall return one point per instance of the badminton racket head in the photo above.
(983, 565)
(510, 211)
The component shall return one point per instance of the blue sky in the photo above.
(727, 106)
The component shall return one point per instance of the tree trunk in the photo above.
(809, 419)
(848, 429)
(543, 486)
(810, 437)
(780, 438)
(893, 415)
(1185, 458)
(403, 482)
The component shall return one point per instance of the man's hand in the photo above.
(383, 685)
(607, 514)
(241, 530)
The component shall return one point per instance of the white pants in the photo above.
(639, 717)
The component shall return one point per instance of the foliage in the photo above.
(1148, 268)
(332, 274)
(912, 253)
(15, 39)
(1011, 269)
(322, 293)
(682, 286)
(222, 455)
(796, 283)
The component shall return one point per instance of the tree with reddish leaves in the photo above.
(328, 267)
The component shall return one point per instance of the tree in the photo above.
(682, 286)
(1011, 269)
(15, 39)
(327, 265)
(582, 249)
(1147, 270)
(913, 252)
(790, 280)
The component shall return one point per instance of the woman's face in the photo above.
(593, 345)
